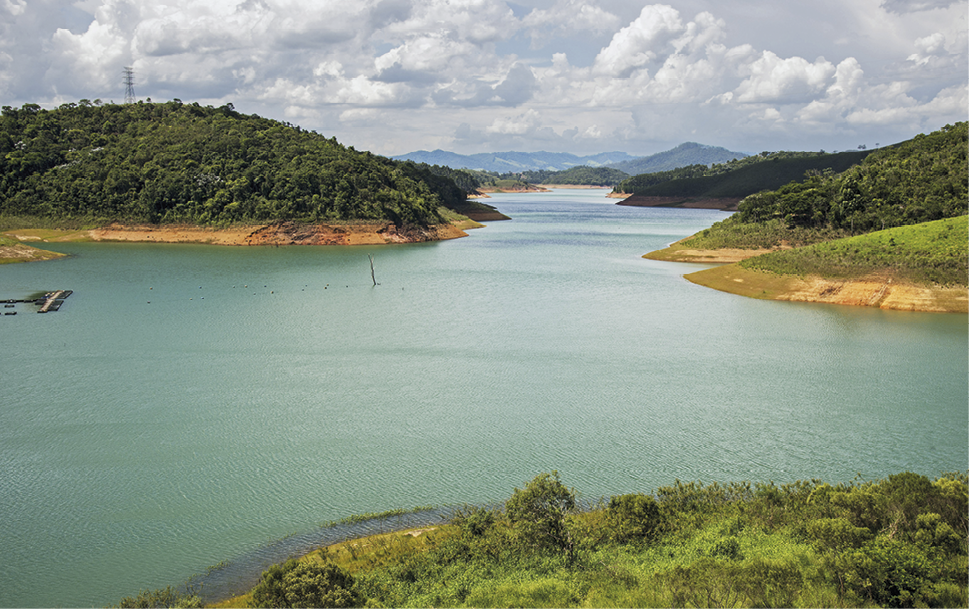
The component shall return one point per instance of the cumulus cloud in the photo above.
(567, 18)
(515, 125)
(928, 48)
(15, 7)
(639, 43)
(393, 75)
(772, 79)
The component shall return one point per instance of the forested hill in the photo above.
(919, 180)
(185, 163)
(740, 177)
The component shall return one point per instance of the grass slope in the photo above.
(933, 253)
(921, 267)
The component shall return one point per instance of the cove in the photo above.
(190, 404)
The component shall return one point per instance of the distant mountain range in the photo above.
(689, 153)
(683, 155)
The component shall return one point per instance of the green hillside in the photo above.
(927, 253)
(922, 179)
(88, 163)
(738, 179)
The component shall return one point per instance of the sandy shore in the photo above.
(882, 290)
(721, 256)
(517, 190)
(279, 233)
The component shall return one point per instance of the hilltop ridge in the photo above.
(688, 153)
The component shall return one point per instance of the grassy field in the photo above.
(730, 233)
(934, 253)
(921, 267)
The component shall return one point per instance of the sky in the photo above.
(579, 76)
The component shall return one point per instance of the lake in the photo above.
(191, 404)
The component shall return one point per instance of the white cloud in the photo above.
(639, 43)
(394, 75)
(567, 18)
(772, 79)
(928, 48)
(15, 7)
(515, 125)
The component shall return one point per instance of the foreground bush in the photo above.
(898, 542)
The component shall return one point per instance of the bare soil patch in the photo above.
(882, 290)
(279, 233)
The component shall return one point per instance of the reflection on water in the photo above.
(189, 403)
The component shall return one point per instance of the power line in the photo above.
(129, 83)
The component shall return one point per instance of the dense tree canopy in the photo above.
(583, 175)
(916, 181)
(738, 177)
(185, 163)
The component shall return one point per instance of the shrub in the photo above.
(474, 521)
(835, 534)
(888, 572)
(305, 584)
(727, 547)
(633, 517)
(163, 597)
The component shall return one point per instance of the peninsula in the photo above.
(891, 232)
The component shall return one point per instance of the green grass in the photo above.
(731, 233)
(895, 542)
(934, 253)
(12, 221)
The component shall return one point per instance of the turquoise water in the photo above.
(189, 404)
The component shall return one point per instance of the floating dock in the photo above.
(54, 300)
(51, 301)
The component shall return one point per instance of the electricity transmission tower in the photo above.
(129, 85)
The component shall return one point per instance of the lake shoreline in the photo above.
(277, 233)
(878, 290)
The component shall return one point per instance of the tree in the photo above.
(538, 513)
